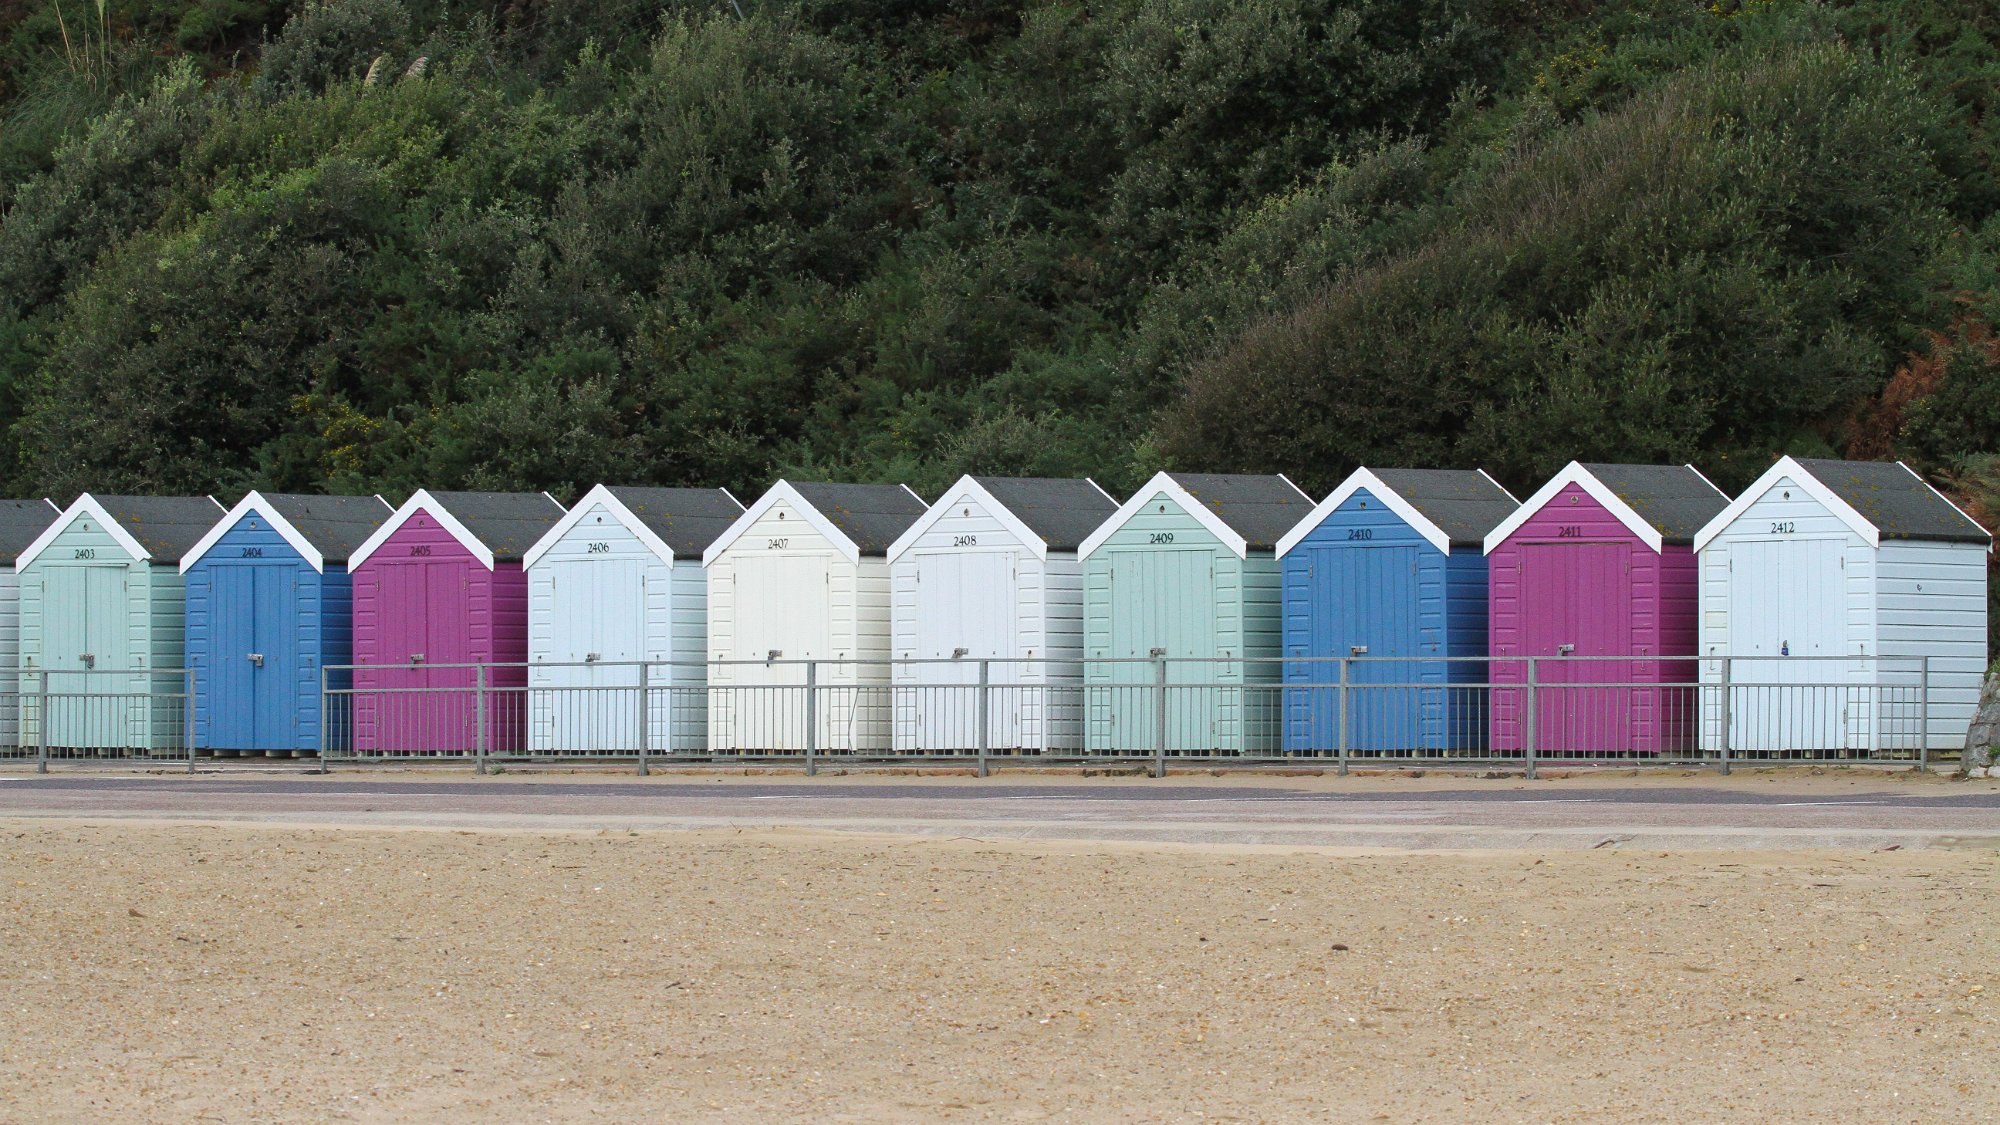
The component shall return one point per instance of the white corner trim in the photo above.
(85, 505)
(421, 501)
(1786, 468)
(1575, 474)
(967, 490)
(1355, 482)
(1954, 505)
(1498, 485)
(598, 494)
(1164, 485)
(255, 503)
(783, 492)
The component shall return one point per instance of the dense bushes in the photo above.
(715, 242)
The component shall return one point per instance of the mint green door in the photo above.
(1162, 604)
(84, 639)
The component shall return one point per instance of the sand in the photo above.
(240, 974)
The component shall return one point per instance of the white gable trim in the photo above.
(1164, 485)
(421, 502)
(598, 494)
(84, 505)
(255, 503)
(1575, 474)
(783, 492)
(1954, 505)
(968, 490)
(1355, 482)
(1824, 496)
(1498, 485)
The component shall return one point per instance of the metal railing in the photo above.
(98, 714)
(1521, 712)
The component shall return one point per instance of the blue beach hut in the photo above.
(270, 604)
(1390, 568)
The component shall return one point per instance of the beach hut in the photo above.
(1823, 559)
(269, 608)
(804, 576)
(441, 622)
(1599, 563)
(1390, 569)
(615, 584)
(20, 522)
(1186, 571)
(101, 615)
(990, 573)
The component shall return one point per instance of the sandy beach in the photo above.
(226, 973)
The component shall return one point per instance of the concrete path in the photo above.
(1442, 813)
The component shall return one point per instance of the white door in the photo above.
(586, 697)
(1787, 602)
(967, 606)
(782, 614)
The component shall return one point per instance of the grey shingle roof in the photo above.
(1463, 503)
(1062, 511)
(1260, 509)
(1674, 499)
(1893, 498)
(872, 515)
(21, 522)
(507, 522)
(167, 526)
(687, 520)
(334, 524)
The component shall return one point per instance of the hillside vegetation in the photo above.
(376, 244)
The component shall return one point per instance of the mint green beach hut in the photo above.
(1184, 578)
(101, 620)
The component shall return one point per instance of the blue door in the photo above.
(1362, 598)
(253, 679)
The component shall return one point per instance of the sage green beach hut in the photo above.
(102, 619)
(1184, 579)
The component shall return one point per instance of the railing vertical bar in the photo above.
(1340, 743)
(42, 722)
(812, 717)
(1528, 741)
(479, 717)
(645, 709)
(1159, 716)
(985, 733)
(1722, 710)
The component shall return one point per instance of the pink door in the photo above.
(1576, 601)
(421, 706)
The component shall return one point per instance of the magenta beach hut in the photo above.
(1599, 564)
(438, 593)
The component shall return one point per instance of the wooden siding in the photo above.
(1932, 603)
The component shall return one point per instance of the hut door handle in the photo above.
(591, 657)
(89, 660)
(1565, 650)
(257, 658)
(416, 658)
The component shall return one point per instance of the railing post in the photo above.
(1528, 742)
(812, 718)
(325, 715)
(1923, 714)
(985, 733)
(1159, 716)
(645, 736)
(1341, 747)
(1723, 711)
(42, 723)
(187, 711)
(479, 717)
